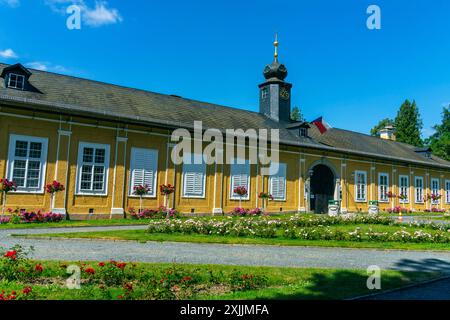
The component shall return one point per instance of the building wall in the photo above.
(64, 136)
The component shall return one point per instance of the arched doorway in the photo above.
(322, 188)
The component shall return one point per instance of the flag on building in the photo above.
(322, 125)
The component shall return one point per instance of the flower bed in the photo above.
(436, 210)
(241, 212)
(306, 228)
(325, 233)
(31, 217)
(117, 280)
(160, 213)
(398, 209)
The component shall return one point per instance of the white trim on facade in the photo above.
(435, 189)
(14, 158)
(20, 79)
(447, 191)
(360, 186)
(240, 169)
(383, 188)
(418, 190)
(151, 170)
(403, 187)
(105, 164)
(280, 178)
(195, 170)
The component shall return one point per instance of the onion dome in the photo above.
(275, 70)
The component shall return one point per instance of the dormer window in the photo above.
(16, 81)
(17, 77)
(303, 132)
(425, 152)
(302, 128)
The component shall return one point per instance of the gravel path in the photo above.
(263, 255)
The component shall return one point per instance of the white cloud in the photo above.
(46, 66)
(98, 16)
(8, 54)
(37, 65)
(10, 3)
(101, 15)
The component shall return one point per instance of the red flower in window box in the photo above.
(240, 191)
(403, 196)
(166, 189)
(141, 190)
(7, 186)
(264, 195)
(390, 195)
(54, 187)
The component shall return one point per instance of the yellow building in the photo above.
(100, 140)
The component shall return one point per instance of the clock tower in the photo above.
(275, 93)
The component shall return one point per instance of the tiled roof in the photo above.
(71, 95)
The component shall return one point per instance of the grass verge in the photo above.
(75, 223)
(210, 282)
(143, 236)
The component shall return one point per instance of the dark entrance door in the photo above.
(322, 188)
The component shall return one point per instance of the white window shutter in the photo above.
(189, 183)
(278, 183)
(240, 174)
(194, 180)
(144, 168)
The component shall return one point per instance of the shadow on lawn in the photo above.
(425, 265)
(342, 284)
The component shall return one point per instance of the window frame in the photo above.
(16, 81)
(420, 178)
(232, 195)
(264, 93)
(80, 163)
(303, 132)
(203, 164)
(400, 177)
(155, 177)
(432, 189)
(447, 191)
(280, 164)
(364, 173)
(43, 162)
(384, 199)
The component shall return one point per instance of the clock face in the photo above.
(284, 94)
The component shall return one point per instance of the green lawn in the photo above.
(143, 236)
(210, 282)
(116, 222)
(75, 223)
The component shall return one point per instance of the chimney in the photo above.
(388, 133)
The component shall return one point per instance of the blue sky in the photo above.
(215, 51)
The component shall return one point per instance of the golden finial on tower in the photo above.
(276, 47)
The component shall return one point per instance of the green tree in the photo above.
(375, 131)
(440, 140)
(297, 115)
(408, 124)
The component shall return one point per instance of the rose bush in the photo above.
(160, 213)
(306, 228)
